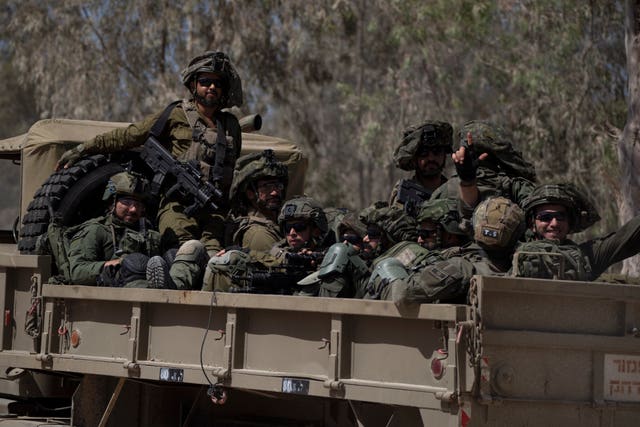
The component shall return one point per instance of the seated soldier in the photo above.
(304, 225)
(257, 192)
(345, 267)
(439, 225)
(553, 212)
(113, 250)
(439, 237)
(497, 225)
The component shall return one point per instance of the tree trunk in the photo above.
(628, 147)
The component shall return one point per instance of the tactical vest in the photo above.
(546, 259)
(411, 255)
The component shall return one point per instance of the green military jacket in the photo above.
(572, 261)
(105, 238)
(489, 183)
(256, 232)
(448, 280)
(187, 137)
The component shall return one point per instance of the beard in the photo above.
(209, 102)
(272, 204)
(431, 169)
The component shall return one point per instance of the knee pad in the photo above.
(386, 271)
(336, 260)
(192, 251)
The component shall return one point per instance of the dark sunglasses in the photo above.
(548, 216)
(269, 187)
(297, 226)
(208, 81)
(374, 233)
(354, 239)
(129, 202)
(424, 151)
(424, 233)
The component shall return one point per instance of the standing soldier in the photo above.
(194, 129)
(257, 193)
(424, 151)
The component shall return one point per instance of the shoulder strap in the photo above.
(158, 126)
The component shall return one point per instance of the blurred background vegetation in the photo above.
(342, 78)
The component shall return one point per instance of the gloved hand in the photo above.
(466, 161)
(71, 156)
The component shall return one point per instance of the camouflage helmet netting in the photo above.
(126, 184)
(216, 62)
(429, 134)
(498, 223)
(304, 208)
(392, 221)
(443, 212)
(253, 167)
(583, 213)
(493, 139)
(351, 222)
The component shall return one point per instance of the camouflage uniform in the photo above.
(503, 173)
(498, 223)
(225, 273)
(426, 135)
(343, 272)
(105, 238)
(254, 230)
(186, 136)
(566, 259)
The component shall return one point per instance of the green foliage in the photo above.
(343, 78)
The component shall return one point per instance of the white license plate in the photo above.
(622, 377)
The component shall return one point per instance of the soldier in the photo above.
(304, 224)
(345, 268)
(424, 150)
(486, 165)
(497, 225)
(113, 250)
(439, 225)
(553, 212)
(257, 193)
(196, 129)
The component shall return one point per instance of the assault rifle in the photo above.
(411, 195)
(281, 280)
(189, 183)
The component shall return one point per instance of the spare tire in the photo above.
(68, 197)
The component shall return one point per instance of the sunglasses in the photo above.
(548, 216)
(425, 233)
(208, 81)
(374, 233)
(270, 187)
(297, 226)
(129, 202)
(354, 239)
(424, 151)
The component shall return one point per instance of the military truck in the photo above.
(524, 352)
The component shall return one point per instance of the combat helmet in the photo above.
(127, 184)
(394, 223)
(305, 208)
(497, 223)
(582, 214)
(415, 138)
(493, 139)
(216, 62)
(443, 212)
(253, 167)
